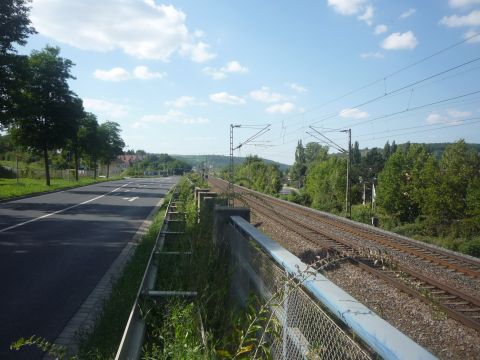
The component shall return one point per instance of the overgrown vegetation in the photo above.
(258, 175)
(430, 196)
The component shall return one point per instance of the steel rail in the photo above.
(448, 259)
(455, 303)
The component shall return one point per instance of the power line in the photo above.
(382, 97)
(412, 109)
(402, 88)
(396, 72)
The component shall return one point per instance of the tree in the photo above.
(76, 113)
(14, 24)
(111, 144)
(315, 152)
(325, 184)
(44, 123)
(14, 28)
(387, 150)
(258, 175)
(393, 147)
(459, 166)
(391, 192)
(299, 168)
(89, 140)
(356, 154)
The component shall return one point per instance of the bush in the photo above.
(410, 229)
(471, 247)
(6, 173)
(362, 213)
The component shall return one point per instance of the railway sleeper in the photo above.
(470, 310)
(456, 303)
(445, 297)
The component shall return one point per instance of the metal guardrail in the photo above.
(132, 339)
(306, 314)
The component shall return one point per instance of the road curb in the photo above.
(84, 319)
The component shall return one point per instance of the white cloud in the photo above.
(115, 74)
(284, 108)
(184, 101)
(367, 15)
(198, 52)
(171, 116)
(141, 29)
(434, 118)
(105, 108)
(372, 55)
(142, 72)
(120, 74)
(400, 41)
(407, 13)
(471, 19)
(463, 3)
(229, 68)
(225, 98)
(298, 88)
(234, 67)
(353, 113)
(347, 7)
(472, 36)
(458, 113)
(215, 74)
(380, 29)
(450, 116)
(266, 95)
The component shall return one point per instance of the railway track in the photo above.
(340, 236)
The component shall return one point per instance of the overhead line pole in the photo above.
(231, 180)
(348, 201)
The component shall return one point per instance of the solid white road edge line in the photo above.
(59, 211)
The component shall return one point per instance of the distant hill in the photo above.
(220, 161)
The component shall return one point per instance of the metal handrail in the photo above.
(383, 338)
(132, 339)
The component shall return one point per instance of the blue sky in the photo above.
(175, 75)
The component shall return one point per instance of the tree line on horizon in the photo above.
(38, 110)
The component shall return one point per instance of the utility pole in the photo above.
(262, 129)
(231, 191)
(348, 204)
(16, 157)
(330, 142)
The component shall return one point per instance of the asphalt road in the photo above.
(55, 248)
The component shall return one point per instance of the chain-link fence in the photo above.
(314, 318)
(65, 174)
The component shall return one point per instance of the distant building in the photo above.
(126, 160)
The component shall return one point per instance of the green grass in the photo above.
(103, 341)
(10, 189)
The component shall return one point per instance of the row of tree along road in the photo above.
(39, 111)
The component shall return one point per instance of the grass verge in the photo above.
(9, 189)
(102, 342)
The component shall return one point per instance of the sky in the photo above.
(176, 75)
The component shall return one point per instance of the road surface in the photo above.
(55, 248)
